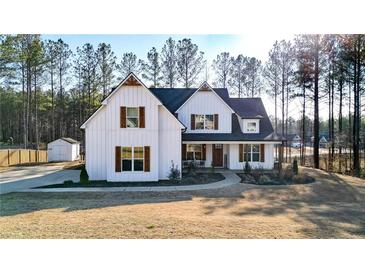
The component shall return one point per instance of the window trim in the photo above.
(127, 116)
(194, 158)
(250, 153)
(132, 158)
(249, 129)
(204, 122)
(245, 127)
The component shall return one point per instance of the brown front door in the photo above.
(218, 155)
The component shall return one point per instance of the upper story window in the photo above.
(205, 121)
(132, 117)
(251, 126)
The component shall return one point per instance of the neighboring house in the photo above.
(138, 132)
(63, 149)
(293, 140)
(323, 143)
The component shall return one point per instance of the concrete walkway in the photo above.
(230, 179)
(29, 177)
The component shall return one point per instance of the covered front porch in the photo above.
(204, 155)
(230, 155)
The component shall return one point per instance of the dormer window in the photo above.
(251, 126)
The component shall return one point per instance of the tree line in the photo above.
(47, 90)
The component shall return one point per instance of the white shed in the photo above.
(63, 149)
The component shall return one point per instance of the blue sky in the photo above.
(254, 45)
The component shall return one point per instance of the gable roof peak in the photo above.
(205, 87)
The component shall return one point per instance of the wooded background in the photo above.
(47, 91)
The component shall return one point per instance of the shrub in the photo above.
(247, 168)
(174, 174)
(191, 168)
(68, 182)
(84, 177)
(256, 174)
(302, 179)
(264, 179)
(288, 174)
(295, 166)
(248, 179)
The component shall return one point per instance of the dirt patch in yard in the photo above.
(333, 207)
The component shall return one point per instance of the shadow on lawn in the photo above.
(20, 203)
(329, 209)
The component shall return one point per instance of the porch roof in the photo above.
(229, 137)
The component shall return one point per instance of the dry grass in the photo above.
(334, 208)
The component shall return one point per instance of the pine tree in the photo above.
(238, 75)
(222, 66)
(271, 74)
(169, 63)
(189, 62)
(253, 83)
(152, 68)
(107, 64)
(128, 64)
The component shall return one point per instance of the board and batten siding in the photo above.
(132, 96)
(169, 142)
(95, 146)
(234, 162)
(103, 134)
(206, 102)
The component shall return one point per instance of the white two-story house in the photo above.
(138, 132)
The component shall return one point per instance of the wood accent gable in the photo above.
(262, 152)
(205, 87)
(240, 152)
(216, 121)
(192, 121)
(142, 117)
(131, 81)
(118, 159)
(123, 117)
(147, 159)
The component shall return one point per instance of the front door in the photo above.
(218, 155)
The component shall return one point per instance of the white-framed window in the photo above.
(251, 153)
(204, 121)
(194, 151)
(209, 121)
(199, 121)
(132, 158)
(251, 126)
(132, 117)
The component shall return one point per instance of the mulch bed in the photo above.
(274, 179)
(188, 179)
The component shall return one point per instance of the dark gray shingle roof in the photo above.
(69, 140)
(247, 108)
(236, 134)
